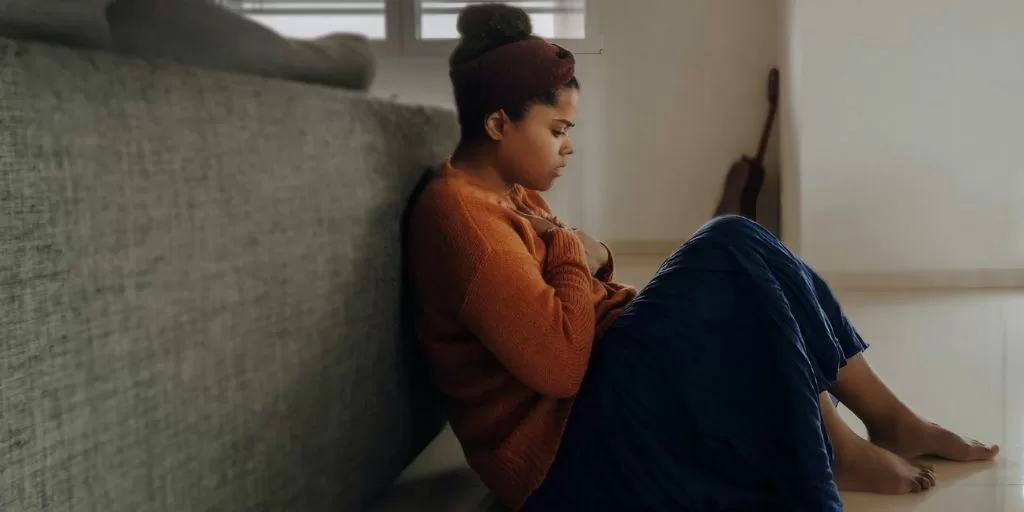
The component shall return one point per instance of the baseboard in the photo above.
(954, 279)
(643, 248)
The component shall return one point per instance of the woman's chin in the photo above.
(544, 184)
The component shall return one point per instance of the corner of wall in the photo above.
(789, 152)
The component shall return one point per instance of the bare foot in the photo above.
(863, 467)
(914, 437)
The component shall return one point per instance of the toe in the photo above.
(922, 483)
(980, 451)
(989, 452)
(915, 486)
(951, 446)
(927, 479)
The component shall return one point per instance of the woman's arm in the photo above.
(539, 325)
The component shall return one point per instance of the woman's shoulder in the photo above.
(448, 199)
(448, 210)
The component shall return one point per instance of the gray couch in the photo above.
(200, 292)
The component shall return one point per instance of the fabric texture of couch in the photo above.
(200, 289)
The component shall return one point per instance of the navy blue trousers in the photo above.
(704, 395)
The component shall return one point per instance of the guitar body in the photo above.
(752, 188)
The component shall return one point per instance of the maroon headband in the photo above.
(511, 74)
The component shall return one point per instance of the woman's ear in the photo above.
(495, 125)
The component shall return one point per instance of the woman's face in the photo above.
(533, 151)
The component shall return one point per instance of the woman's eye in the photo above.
(557, 133)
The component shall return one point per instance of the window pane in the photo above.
(308, 26)
(315, 18)
(311, 5)
(552, 19)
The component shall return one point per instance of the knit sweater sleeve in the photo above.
(540, 325)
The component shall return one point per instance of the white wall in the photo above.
(685, 97)
(678, 94)
(903, 140)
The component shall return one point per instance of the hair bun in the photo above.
(494, 23)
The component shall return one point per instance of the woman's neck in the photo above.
(476, 163)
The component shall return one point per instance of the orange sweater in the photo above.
(508, 319)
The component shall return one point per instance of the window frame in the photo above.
(413, 46)
(402, 28)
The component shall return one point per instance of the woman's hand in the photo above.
(540, 224)
(597, 253)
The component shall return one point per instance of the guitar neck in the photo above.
(766, 134)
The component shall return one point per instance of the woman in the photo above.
(710, 390)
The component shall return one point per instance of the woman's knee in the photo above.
(737, 235)
(735, 228)
(723, 242)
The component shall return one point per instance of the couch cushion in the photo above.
(79, 23)
(200, 284)
(200, 33)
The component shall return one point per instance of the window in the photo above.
(552, 19)
(314, 18)
(415, 27)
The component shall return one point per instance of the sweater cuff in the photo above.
(564, 247)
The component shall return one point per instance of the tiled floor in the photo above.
(957, 357)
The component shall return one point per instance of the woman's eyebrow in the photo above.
(568, 123)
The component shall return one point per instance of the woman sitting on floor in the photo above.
(714, 389)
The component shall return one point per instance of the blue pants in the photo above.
(704, 394)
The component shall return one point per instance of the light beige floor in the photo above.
(957, 357)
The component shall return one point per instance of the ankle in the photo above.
(897, 418)
(886, 425)
(844, 444)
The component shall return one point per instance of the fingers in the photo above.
(523, 209)
(540, 224)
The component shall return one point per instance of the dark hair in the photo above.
(485, 27)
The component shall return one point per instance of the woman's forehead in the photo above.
(564, 109)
